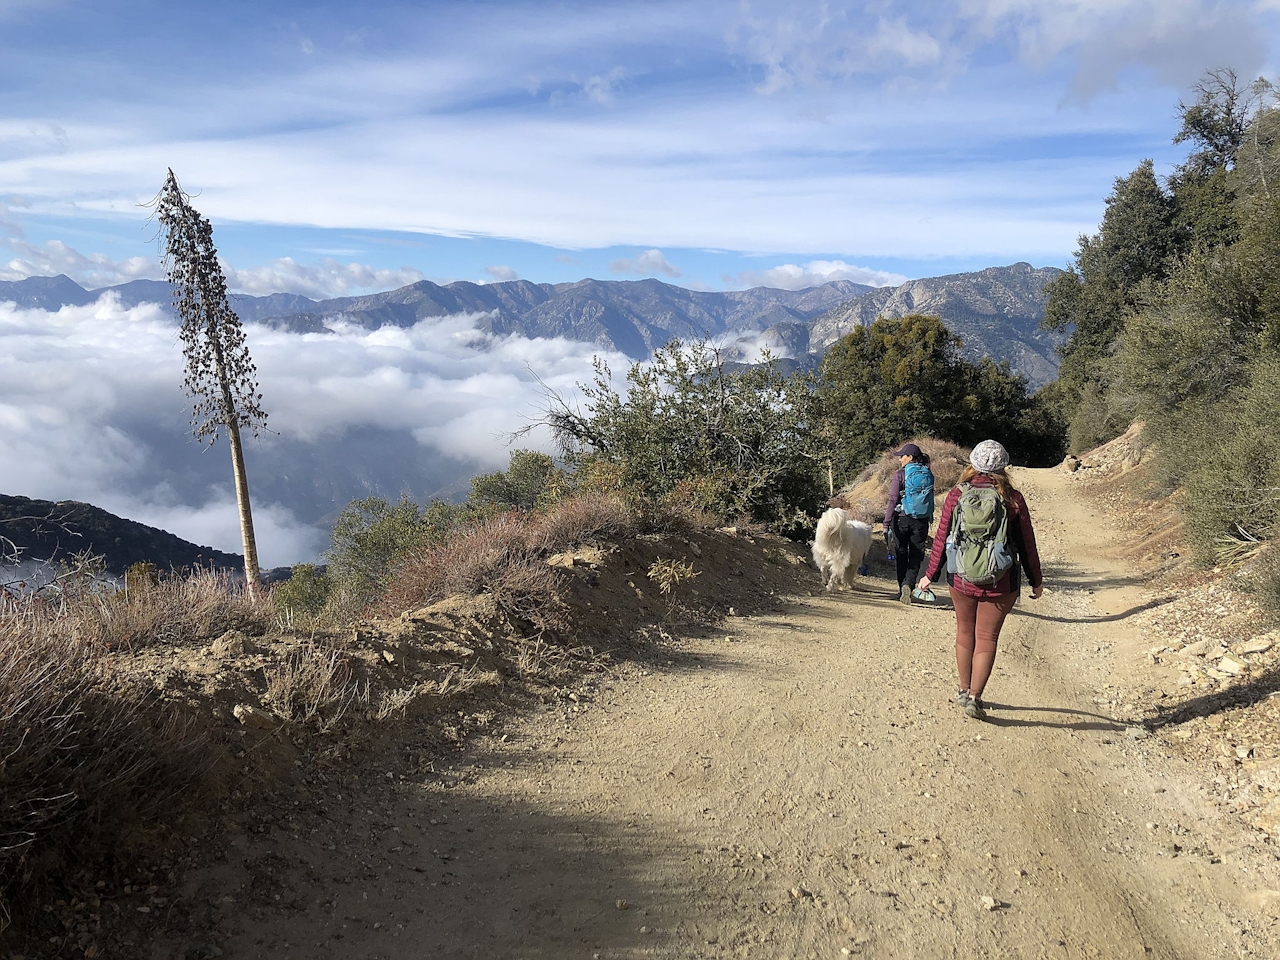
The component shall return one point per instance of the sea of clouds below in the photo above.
(91, 409)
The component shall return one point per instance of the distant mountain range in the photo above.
(44, 530)
(996, 311)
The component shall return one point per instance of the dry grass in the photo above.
(180, 609)
(83, 758)
(492, 556)
(317, 685)
(580, 521)
(505, 556)
(866, 496)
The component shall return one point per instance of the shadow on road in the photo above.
(1243, 695)
(1095, 721)
(1103, 618)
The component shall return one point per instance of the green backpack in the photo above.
(978, 544)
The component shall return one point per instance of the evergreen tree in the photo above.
(880, 384)
(220, 375)
(1134, 246)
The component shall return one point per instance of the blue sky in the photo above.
(341, 148)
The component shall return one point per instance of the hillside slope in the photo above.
(44, 530)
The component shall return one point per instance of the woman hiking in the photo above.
(908, 514)
(983, 533)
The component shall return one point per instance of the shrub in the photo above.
(530, 478)
(83, 758)
(315, 684)
(740, 439)
(493, 555)
(304, 594)
(505, 555)
(371, 534)
(581, 520)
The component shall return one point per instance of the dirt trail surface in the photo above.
(790, 785)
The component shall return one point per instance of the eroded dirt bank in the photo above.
(794, 784)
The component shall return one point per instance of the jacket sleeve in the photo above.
(895, 494)
(1030, 553)
(939, 552)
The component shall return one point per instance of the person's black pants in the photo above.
(912, 533)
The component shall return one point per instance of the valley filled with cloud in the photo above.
(93, 410)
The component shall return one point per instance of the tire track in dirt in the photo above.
(791, 785)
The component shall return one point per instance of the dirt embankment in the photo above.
(791, 780)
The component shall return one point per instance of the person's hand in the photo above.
(1036, 591)
(924, 584)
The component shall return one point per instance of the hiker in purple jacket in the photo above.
(908, 514)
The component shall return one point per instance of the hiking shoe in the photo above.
(904, 594)
(962, 698)
(974, 710)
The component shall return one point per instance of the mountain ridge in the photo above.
(46, 530)
(995, 311)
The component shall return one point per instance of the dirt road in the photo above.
(793, 785)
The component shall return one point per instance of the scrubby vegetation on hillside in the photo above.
(1174, 307)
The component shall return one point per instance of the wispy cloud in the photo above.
(792, 276)
(327, 278)
(820, 42)
(603, 88)
(646, 265)
(500, 273)
(896, 129)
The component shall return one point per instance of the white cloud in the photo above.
(645, 264)
(917, 129)
(90, 270)
(91, 409)
(1176, 40)
(501, 272)
(320, 281)
(603, 88)
(897, 41)
(792, 276)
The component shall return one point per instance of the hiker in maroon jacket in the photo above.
(981, 608)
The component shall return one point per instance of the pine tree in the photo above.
(220, 376)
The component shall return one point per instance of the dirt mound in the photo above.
(866, 496)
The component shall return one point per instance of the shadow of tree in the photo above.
(1246, 694)
(1104, 618)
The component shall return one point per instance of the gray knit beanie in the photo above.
(989, 457)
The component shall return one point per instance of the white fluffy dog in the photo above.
(839, 546)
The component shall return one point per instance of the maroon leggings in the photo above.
(978, 623)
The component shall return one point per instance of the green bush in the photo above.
(305, 593)
(905, 377)
(530, 478)
(1232, 478)
(371, 534)
(739, 441)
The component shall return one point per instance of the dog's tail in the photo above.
(829, 525)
